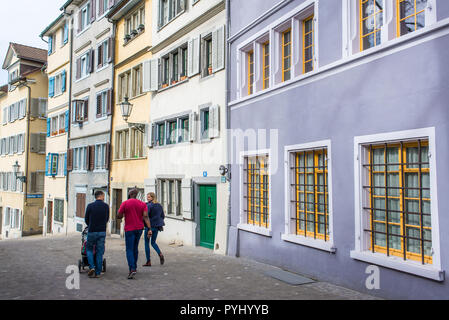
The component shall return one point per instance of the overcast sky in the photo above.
(22, 22)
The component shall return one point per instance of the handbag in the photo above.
(160, 228)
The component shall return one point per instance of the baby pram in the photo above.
(83, 262)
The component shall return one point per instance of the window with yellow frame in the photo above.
(266, 65)
(311, 201)
(286, 54)
(257, 191)
(371, 21)
(308, 44)
(411, 16)
(397, 194)
(250, 55)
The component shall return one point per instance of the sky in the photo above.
(22, 22)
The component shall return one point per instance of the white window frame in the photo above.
(299, 239)
(84, 66)
(294, 19)
(433, 271)
(351, 32)
(84, 26)
(79, 159)
(243, 225)
(100, 148)
(61, 165)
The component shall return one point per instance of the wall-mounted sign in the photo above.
(204, 174)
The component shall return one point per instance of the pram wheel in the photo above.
(104, 265)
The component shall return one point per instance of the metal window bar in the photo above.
(387, 220)
(420, 199)
(314, 195)
(403, 207)
(372, 197)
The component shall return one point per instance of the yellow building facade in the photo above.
(129, 166)
(23, 103)
(58, 35)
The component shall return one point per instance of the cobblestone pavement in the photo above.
(35, 268)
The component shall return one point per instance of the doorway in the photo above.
(1, 220)
(208, 215)
(116, 223)
(49, 216)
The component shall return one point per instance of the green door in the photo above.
(208, 215)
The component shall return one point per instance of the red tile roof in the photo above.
(30, 53)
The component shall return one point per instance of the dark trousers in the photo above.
(97, 240)
(132, 239)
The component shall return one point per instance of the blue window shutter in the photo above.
(48, 126)
(50, 45)
(65, 164)
(63, 77)
(66, 33)
(51, 87)
(67, 121)
(57, 162)
(47, 165)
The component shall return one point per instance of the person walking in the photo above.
(135, 213)
(96, 218)
(157, 216)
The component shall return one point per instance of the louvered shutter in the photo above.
(63, 81)
(91, 162)
(99, 113)
(66, 32)
(154, 75)
(50, 44)
(86, 109)
(101, 8)
(107, 155)
(110, 102)
(93, 10)
(186, 199)
(218, 49)
(67, 121)
(51, 87)
(92, 61)
(214, 121)
(48, 127)
(79, 21)
(78, 68)
(193, 56)
(146, 76)
(110, 49)
(65, 164)
(192, 126)
(99, 55)
(70, 160)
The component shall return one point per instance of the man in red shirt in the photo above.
(135, 213)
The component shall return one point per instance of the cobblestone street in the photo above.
(34, 268)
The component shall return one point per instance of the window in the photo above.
(311, 200)
(122, 144)
(80, 159)
(135, 22)
(256, 187)
(175, 68)
(205, 124)
(286, 55)
(137, 81)
(169, 192)
(102, 104)
(85, 65)
(208, 56)
(160, 140)
(308, 45)
(165, 71)
(58, 214)
(103, 7)
(371, 20)
(51, 44)
(398, 200)
(104, 53)
(57, 124)
(62, 122)
(130, 83)
(53, 164)
(266, 65)
(129, 144)
(136, 144)
(172, 132)
(54, 126)
(84, 17)
(124, 85)
(184, 62)
(250, 72)
(100, 157)
(169, 9)
(411, 15)
(80, 110)
(184, 125)
(62, 164)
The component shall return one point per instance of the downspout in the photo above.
(27, 154)
(70, 114)
(44, 232)
(228, 116)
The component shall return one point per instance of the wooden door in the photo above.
(116, 223)
(208, 215)
(49, 216)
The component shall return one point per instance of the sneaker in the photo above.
(91, 273)
(98, 275)
(161, 256)
(132, 274)
(148, 264)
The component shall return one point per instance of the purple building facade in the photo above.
(350, 185)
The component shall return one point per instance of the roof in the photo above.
(120, 8)
(51, 25)
(4, 88)
(30, 53)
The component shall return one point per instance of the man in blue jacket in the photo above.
(96, 218)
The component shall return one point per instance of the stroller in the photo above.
(83, 262)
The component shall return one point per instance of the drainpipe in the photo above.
(70, 114)
(228, 116)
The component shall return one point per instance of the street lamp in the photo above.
(126, 108)
(16, 168)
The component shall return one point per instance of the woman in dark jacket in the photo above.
(157, 216)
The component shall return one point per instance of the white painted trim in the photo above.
(307, 241)
(435, 31)
(359, 252)
(243, 224)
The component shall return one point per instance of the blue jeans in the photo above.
(132, 239)
(96, 239)
(153, 242)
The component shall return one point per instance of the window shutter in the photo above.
(50, 44)
(110, 102)
(78, 68)
(22, 148)
(51, 87)
(214, 121)
(66, 32)
(47, 165)
(111, 3)
(63, 81)
(146, 77)
(86, 158)
(154, 74)
(107, 155)
(149, 134)
(101, 8)
(79, 21)
(23, 105)
(42, 142)
(67, 121)
(93, 9)
(92, 61)
(218, 49)
(86, 109)
(110, 49)
(70, 160)
(5, 115)
(91, 151)
(193, 56)
(65, 164)
(48, 127)
(186, 199)
(99, 105)
(192, 126)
